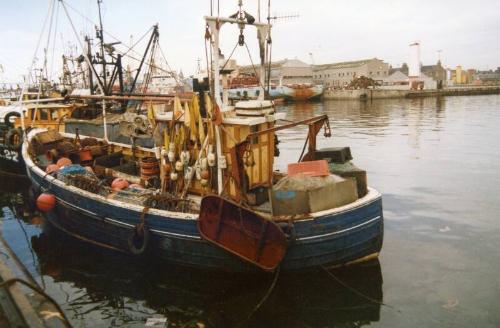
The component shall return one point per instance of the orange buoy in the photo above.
(51, 168)
(63, 161)
(119, 184)
(46, 202)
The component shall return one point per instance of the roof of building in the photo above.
(282, 63)
(347, 64)
(397, 76)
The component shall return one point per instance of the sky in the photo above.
(461, 32)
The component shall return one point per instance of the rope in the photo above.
(253, 66)
(357, 292)
(304, 147)
(9, 282)
(266, 296)
(209, 69)
(232, 52)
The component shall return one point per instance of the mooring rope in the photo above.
(357, 292)
(264, 299)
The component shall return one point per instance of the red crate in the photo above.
(309, 168)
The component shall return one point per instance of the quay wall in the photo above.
(366, 94)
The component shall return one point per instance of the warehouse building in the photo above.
(287, 71)
(338, 75)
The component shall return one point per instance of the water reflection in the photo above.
(118, 288)
(110, 289)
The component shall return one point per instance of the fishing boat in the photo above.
(206, 195)
(242, 88)
(76, 108)
(301, 92)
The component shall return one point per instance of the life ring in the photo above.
(138, 243)
(7, 117)
(14, 139)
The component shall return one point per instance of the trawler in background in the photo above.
(246, 87)
(95, 88)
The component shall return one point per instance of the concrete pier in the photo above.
(366, 94)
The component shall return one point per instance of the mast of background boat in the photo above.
(89, 54)
(33, 61)
(100, 36)
(269, 45)
(89, 62)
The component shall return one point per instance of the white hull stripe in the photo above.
(123, 224)
(340, 231)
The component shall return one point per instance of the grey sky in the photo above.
(467, 32)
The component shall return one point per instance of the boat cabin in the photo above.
(49, 116)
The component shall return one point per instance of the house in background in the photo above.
(436, 72)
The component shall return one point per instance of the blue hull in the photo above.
(331, 239)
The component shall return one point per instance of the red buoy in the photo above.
(46, 202)
(63, 161)
(119, 184)
(51, 168)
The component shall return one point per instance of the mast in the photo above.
(215, 23)
(153, 38)
(100, 36)
(89, 55)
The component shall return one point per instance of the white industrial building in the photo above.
(341, 74)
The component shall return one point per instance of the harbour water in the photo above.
(435, 160)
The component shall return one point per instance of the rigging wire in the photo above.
(106, 32)
(128, 49)
(36, 50)
(168, 65)
(253, 66)
(54, 43)
(138, 41)
(46, 49)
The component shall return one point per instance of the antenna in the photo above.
(439, 54)
(283, 16)
(199, 65)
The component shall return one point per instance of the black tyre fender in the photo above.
(8, 116)
(138, 243)
(14, 139)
